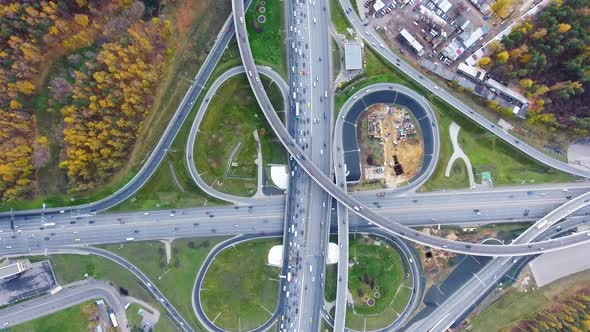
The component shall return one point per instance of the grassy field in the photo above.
(486, 151)
(266, 39)
(382, 262)
(516, 305)
(378, 264)
(338, 19)
(331, 282)
(232, 116)
(133, 316)
(175, 280)
(71, 319)
(240, 290)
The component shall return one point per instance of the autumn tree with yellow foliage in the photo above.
(110, 97)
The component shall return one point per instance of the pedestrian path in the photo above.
(458, 154)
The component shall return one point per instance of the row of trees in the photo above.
(549, 58)
(570, 315)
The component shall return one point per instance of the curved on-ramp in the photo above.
(377, 93)
(390, 93)
(196, 294)
(147, 284)
(350, 202)
(417, 285)
(283, 87)
(374, 41)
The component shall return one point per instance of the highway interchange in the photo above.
(74, 226)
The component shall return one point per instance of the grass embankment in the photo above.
(196, 25)
(338, 17)
(485, 151)
(516, 305)
(175, 280)
(240, 289)
(72, 319)
(232, 117)
(161, 190)
(267, 39)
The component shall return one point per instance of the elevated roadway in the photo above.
(355, 205)
(377, 93)
(499, 205)
(481, 284)
(374, 41)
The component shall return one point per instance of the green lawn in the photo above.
(71, 319)
(239, 289)
(133, 316)
(338, 19)
(232, 117)
(375, 263)
(177, 278)
(485, 151)
(266, 39)
(331, 282)
(384, 263)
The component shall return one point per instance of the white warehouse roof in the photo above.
(412, 41)
(353, 59)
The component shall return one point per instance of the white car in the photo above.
(435, 87)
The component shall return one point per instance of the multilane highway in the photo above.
(355, 205)
(374, 41)
(506, 204)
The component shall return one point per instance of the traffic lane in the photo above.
(499, 195)
(412, 216)
(374, 39)
(462, 300)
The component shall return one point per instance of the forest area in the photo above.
(570, 314)
(93, 65)
(548, 58)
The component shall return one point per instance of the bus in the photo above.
(113, 318)
(48, 224)
(297, 111)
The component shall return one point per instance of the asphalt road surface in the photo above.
(374, 41)
(71, 295)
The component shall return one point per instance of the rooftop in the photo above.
(353, 59)
(412, 41)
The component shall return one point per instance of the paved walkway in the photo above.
(259, 193)
(458, 154)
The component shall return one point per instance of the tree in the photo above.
(502, 57)
(563, 28)
(483, 62)
(526, 83)
(81, 19)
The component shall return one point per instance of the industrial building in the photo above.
(475, 73)
(10, 270)
(412, 42)
(353, 55)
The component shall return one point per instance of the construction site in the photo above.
(391, 145)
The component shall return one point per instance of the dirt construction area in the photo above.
(392, 148)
